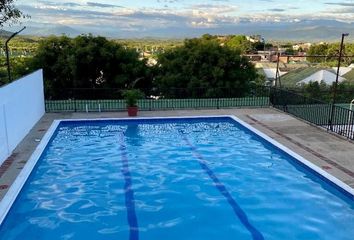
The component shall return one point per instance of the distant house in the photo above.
(283, 59)
(270, 74)
(260, 56)
(151, 62)
(254, 57)
(254, 38)
(301, 57)
(324, 76)
(302, 46)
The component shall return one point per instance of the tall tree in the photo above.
(240, 43)
(99, 62)
(88, 62)
(317, 49)
(54, 56)
(204, 68)
(8, 12)
(331, 51)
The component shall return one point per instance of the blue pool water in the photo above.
(190, 179)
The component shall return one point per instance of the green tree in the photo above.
(290, 51)
(324, 92)
(331, 51)
(240, 43)
(88, 62)
(261, 46)
(345, 92)
(98, 62)
(55, 56)
(318, 49)
(208, 37)
(204, 68)
(316, 90)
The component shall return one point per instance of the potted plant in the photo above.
(131, 97)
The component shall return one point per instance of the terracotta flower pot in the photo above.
(132, 111)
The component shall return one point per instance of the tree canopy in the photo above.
(204, 65)
(201, 64)
(331, 50)
(324, 92)
(240, 43)
(201, 67)
(88, 62)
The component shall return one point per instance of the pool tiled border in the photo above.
(16, 187)
(21, 179)
(6, 164)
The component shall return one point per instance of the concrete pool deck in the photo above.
(330, 152)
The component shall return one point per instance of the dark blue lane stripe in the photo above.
(222, 189)
(129, 193)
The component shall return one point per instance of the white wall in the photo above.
(21, 106)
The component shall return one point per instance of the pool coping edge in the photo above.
(11, 195)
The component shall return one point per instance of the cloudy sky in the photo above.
(105, 16)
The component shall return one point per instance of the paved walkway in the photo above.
(330, 152)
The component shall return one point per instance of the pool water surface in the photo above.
(158, 179)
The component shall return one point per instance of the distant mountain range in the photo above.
(4, 33)
(305, 30)
(52, 30)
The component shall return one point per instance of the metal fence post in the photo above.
(74, 98)
(7, 53)
(330, 121)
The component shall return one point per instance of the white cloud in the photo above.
(216, 15)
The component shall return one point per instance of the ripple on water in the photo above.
(77, 191)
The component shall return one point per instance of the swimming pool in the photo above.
(172, 178)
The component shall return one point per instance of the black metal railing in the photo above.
(166, 93)
(325, 95)
(104, 99)
(333, 118)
